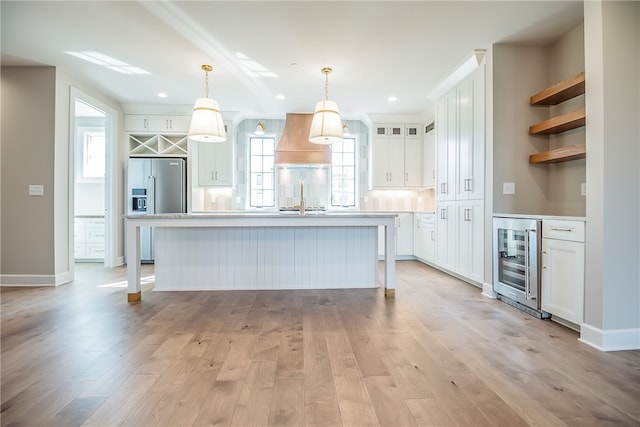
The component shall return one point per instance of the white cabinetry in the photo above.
(429, 160)
(396, 156)
(470, 236)
(446, 235)
(156, 123)
(404, 236)
(563, 269)
(424, 237)
(215, 163)
(460, 116)
(89, 238)
(460, 142)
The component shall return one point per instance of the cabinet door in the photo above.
(417, 236)
(404, 234)
(563, 279)
(470, 247)
(446, 235)
(215, 164)
(428, 231)
(380, 162)
(446, 142)
(178, 124)
(413, 162)
(429, 160)
(470, 146)
(137, 123)
(387, 165)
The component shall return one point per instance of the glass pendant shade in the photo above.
(206, 122)
(326, 126)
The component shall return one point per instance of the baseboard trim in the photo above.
(487, 291)
(36, 280)
(610, 340)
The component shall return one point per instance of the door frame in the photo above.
(110, 181)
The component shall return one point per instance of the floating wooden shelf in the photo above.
(560, 92)
(558, 155)
(558, 124)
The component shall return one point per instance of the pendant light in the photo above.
(206, 121)
(326, 126)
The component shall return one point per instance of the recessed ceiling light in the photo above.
(279, 96)
(392, 99)
(162, 95)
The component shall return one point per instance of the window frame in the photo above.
(248, 203)
(356, 203)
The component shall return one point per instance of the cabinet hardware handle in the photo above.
(561, 229)
(443, 213)
(467, 184)
(146, 123)
(433, 235)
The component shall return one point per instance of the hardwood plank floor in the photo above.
(439, 354)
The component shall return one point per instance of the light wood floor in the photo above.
(439, 354)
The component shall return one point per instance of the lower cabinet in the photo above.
(424, 237)
(469, 241)
(459, 234)
(88, 238)
(404, 236)
(563, 269)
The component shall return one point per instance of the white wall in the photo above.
(612, 287)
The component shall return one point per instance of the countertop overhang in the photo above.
(266, 219)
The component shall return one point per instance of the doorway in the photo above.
(92, 206)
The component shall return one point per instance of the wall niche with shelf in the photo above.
(554, 95)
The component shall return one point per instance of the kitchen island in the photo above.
(239, 250)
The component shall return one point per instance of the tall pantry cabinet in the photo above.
(460, 145)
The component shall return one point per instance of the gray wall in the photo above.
(519, 72)
(36, 231)
(28, 134)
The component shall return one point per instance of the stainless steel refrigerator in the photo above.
(155, 185)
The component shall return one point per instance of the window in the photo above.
(261, 171)
(343, 173)
(93, 160)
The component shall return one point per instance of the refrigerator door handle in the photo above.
(151, 196)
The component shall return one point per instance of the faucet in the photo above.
(300, 206)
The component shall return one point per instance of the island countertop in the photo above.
(332, 250)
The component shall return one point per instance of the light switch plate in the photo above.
(36, 190)
(508, 188)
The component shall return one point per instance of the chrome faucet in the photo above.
(300, 206)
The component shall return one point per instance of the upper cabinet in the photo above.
(553, 95)
(156, 135)
(156, 123)
(429, 159)
(460, 121)
(396, 155)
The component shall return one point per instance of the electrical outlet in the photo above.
(36, 190)
(508, 188)
(583, 189)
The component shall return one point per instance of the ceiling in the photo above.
(377, 49)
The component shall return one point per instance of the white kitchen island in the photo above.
(240, 251)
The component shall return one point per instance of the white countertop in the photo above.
(541, 217)
(252, 214)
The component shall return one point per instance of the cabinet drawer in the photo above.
(563, 230)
